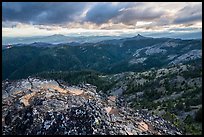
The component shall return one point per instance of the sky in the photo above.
(25, 19)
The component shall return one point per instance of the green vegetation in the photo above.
(21, 62)
(198, 116)
(189, 125)
(177, 97)
(78, 77)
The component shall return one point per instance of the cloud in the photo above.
(45, 13)
(185, 29)
(42, 12)
(99, 13)
(102, 12)
(189, 14)
(9, 24)
(126, 13)
(47, 17)
(132, 15)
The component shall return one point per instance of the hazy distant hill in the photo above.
(59, 38)
(55, 39)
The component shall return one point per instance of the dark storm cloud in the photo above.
(42, 12)
(126, 13)
(48, 13)
(102, 12)
(193, 18)
(131, 16)
(62, 13)
(189, 14)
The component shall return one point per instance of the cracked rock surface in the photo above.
(36, 106)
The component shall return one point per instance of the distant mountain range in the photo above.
(59, 38)
(56, 39)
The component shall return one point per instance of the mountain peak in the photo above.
(139, 37)
(57, 35)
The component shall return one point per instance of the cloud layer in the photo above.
(42, 12)
(102, 15)
(189, 14)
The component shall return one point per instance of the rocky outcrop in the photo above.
(44, 107)
(191, 55)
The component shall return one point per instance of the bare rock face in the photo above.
(47, 107)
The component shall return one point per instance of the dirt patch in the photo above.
(114, 111)
(143, 126)
(75, 91)
(25, 99)
(108, 109)
(112, 98)
(86, 96)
